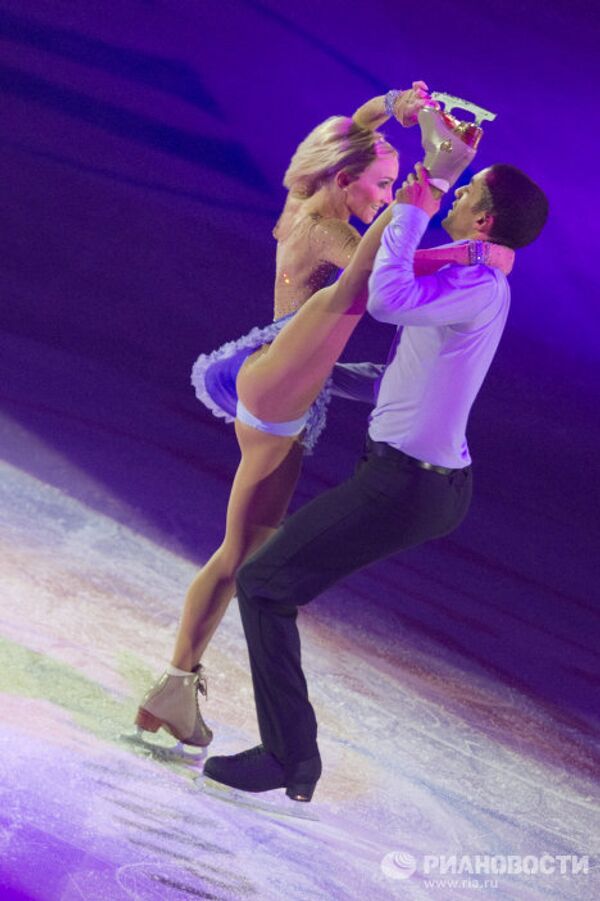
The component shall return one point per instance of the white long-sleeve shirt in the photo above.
(452, 323)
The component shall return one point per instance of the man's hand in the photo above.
(409, 104)
(417, 191)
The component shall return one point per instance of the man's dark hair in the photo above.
(518, 205)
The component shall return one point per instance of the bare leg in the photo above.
(260, 495)
(279, 384)
(304, 352)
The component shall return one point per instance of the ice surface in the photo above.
(420, 757)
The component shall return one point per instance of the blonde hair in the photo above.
(338, 143)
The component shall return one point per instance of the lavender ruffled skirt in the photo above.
(214, 379)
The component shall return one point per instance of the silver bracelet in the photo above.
(479, 252)
(390, 102)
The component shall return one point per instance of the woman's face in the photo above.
(373, 189)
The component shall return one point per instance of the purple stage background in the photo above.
(143, 146)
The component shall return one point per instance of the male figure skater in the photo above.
(413, 482)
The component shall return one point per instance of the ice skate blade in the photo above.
(451, 102)
(275, 806)
(175, 754)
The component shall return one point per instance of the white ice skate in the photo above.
(450, 144)
(172, 705)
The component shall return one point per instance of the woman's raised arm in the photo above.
(404, 106)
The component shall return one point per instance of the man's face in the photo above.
(461, 221)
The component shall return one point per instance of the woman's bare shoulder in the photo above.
(334, 240)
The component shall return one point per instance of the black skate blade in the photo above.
(164, 753)
(276, 806)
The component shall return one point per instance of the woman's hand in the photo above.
(417, 191)
(409, 103)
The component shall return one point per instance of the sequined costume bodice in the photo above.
(310, 253)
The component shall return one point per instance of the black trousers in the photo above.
(388, 505)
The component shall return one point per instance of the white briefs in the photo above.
(283, 429)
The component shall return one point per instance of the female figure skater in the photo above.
(271, 381)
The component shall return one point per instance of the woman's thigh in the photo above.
(261, 492)
(281, 383)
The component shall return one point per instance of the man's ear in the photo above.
(484, 222)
